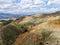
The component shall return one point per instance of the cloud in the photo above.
(39, 2)
(5, 3)
(54, 2)
(19, 6)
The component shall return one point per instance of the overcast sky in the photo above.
(21, 6)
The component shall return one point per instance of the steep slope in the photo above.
(34, 37)
(10, 32)
(29, 30)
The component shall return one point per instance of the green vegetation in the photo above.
(6, 22)
(12, 31)
(45, 35)
(9, 34)
(22, 28)
(56, 22)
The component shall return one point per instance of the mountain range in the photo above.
(10, 15)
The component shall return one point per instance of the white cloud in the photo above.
(54, 2)
(38, 2)
(27, 6)
(5, 3)
(26, 2)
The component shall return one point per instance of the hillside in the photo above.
(34, 36)
(32, 30)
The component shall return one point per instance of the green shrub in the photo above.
(7, 22)
(9, 34)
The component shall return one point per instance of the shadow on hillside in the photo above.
(10, 33)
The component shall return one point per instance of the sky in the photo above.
(26, 6)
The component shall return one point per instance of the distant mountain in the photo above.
(9, 15)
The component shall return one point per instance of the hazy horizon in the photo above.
(28, 7)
